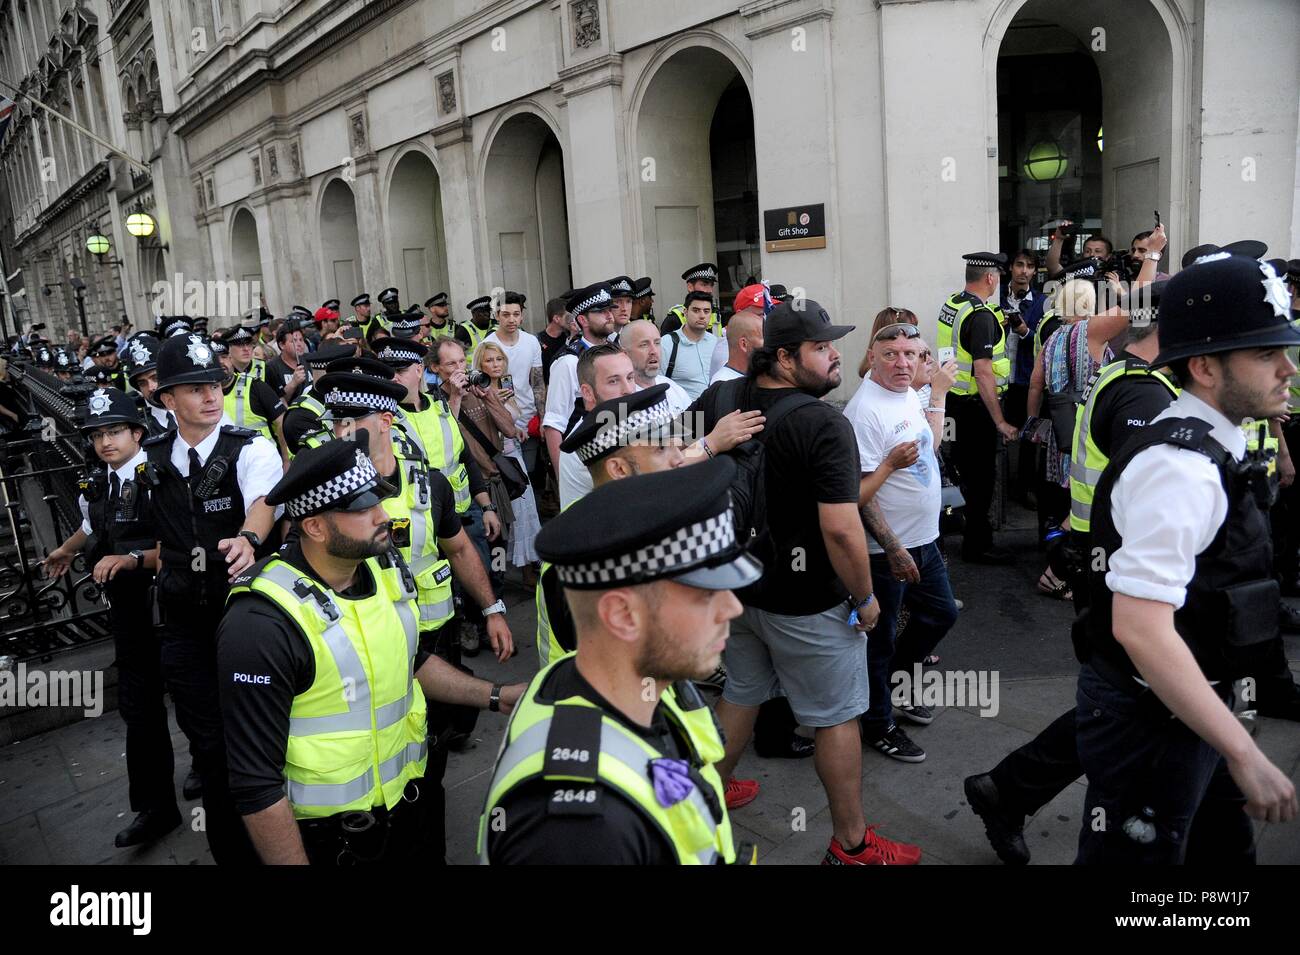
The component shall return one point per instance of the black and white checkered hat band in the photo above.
(983, 263)
(239, 337)
(360, 399)
(643, 293)
(644, 425)
(397, 354)
(680, 551)
(601, 297)
(706, 274)
(335, 489)
(622, 287)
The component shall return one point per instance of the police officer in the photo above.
(609, 756)
(1181, 600)
(169, 325)
(620, 290)
(207, 486)
(970, 324)
(105, 364)
(439, 314)
(391, 308)
(142, 374)
(241, 340)
(323, 683)
(249, 402)
(480, 325)
(698, 278)
(1120, 400)
(643, 299)
(303, 418)
(66, 366)
(618, 438)
(118, 538)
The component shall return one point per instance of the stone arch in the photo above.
(341, 265)
(414, 216)
(245, 247)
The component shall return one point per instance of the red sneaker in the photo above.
(741, 792)
(879, 851)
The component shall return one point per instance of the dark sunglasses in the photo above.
(890, 332)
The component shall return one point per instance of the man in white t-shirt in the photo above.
(900, 502)
(524, 355)
(593, 309)
(743, 335)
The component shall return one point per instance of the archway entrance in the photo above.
(340, 242)
(419, 249)
(1075, 139)
(527, 216)
(699, 200)
(245, 249)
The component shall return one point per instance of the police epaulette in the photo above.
(251, 574)
(238, 432)
(156, 439)
(1185, 432)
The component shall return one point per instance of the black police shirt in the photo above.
(813, 459)
(618, 834)
(979, 333)
(298, 423)
(1125, 407)
(263, 399)
(263, 662)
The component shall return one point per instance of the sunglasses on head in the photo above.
(890, 332)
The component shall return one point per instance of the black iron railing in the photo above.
(41, 463)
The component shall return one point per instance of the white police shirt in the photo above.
(1167, 506)
(575, 479)
(125, 473)
(258, 467)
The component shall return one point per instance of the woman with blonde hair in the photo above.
(490, 358)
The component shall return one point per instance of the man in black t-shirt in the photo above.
(559, 328)
(285, 373)
(804, 626)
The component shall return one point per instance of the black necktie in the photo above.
(114, 493)
(196, 468)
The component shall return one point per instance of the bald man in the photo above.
(641, 342)
(744, 336)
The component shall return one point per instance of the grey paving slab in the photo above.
(33, 775)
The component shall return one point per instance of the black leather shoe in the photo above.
(795, 747)
(1005, 830)
(989, 555)
(192, 788)
(1288, 618)
(148, 827)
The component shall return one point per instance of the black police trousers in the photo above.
(445, 721)
(191, 612)
(150, 767)
(1030, 777)
(975, 449)
(380, 837)
(1157, 793)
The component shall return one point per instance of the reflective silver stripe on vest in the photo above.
(239, 401)
(1084, 474)
(411, 433)
(615, 744)
(462, 494)
(439, 611)
(1078, 471)
(340, 794)
(1080, 511)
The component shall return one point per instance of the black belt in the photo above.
(363, 833)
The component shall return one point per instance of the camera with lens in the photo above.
(478, 379)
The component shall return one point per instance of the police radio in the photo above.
(92, 487)
(212, 476)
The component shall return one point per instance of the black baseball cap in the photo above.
(788, 325)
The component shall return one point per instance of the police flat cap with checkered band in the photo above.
(643, 417)
(991, 260)
(649, 530)
(361, 365)
(620, 286)
(592, 297)
(643, 287)
(218, 346)
(480, 303)
(436, 301)
(398, 352)
(704, 272)
(362, 299)
(355, 396)
(240, 335)
(408, 324)
(320, 359)
(336, 476)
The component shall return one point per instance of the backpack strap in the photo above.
(672, 359)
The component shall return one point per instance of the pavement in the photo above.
(63, 793)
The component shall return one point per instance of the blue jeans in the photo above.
(933, 614)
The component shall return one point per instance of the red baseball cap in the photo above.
(324, 314)
(752, 296)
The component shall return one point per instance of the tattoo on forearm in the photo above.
(877, 527)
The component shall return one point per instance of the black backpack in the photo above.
(749, 489)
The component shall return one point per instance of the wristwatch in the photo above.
(139, 558)
(1154, 256)
(494, 701)
(252, 538)
(498, 607)
(487, 507)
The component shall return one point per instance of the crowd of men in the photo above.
(295, 542)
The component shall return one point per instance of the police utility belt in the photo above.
(362, 834)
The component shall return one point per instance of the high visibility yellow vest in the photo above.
(548, 647)
(1086, 460)
(311, 439)
(715, 322)
(955, 311)
(358, 734)
(438, 436)
(1253, 430)
(1293, 403)
(1039, 340)
(239, 407)
(256, 369)
(476, 336)
(595, 747)
(416, 538)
